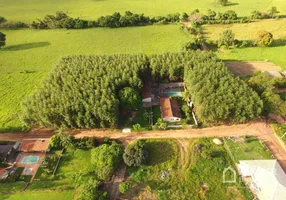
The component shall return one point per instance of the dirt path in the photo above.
(259, 129)
(248, 68)
(112, 186)
(183, 148)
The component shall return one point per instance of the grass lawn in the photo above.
(66, 195)
(72, 163)
(251, 149)
(280, 130)
(29, 10)
(199, 178)
(30, 54)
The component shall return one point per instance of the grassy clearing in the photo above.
(66, 195)
(275, 53)
(72, 163)
(29, 10)
(200, 179)
(272, 54)
(251, 149)
(247, 31)
(30, 54)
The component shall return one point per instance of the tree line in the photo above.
(62, 20)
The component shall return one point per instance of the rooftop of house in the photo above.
(169, 107)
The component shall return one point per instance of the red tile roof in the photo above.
(169, 107)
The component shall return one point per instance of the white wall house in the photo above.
(268, 180)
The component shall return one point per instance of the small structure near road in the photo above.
(266, 178)
(217, 141)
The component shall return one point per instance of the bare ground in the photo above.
(248, 68)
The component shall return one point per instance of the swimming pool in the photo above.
(176, 94)
(30, 159)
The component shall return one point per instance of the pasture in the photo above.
(274, 54)
(66, 195)
(30, 54)
(29, 10)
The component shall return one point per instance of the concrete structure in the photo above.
(266, 178)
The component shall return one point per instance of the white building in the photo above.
(267, 178)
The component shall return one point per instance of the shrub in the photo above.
(226, 38)
(2, 19)
(161, 125)
(91, 142)
(223, 2)
(136, 127)
(264, 38)
(136, 154)
(90, 190)
(55, 141)
(13, 25)
(106, 159)
(124, 187)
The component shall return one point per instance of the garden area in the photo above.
(163, 177)
(247, 148)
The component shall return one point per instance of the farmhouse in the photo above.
(170, 109)
(266, 178)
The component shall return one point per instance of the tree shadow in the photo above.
(231, 4)
(20, 47)
(278, 43)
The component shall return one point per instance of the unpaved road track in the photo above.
(258, 129)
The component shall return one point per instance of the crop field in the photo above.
(29, 10)
(30, 54)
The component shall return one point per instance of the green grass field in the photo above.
(247, 31)
(29, 10)
(251, 149)
(274, 54)
(30, 54)
(67, 195)
(184, 180)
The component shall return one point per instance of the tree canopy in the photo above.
(129, 98)
(81, 91)
(135, 154)
(106, 159)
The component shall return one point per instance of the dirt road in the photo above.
(260, 130)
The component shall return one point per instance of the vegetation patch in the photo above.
(248, 148)
(200, 179)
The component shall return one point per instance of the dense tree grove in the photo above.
(90, 191)
(106, 159)
(81, 91)
(129, 98)
(217, 95)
